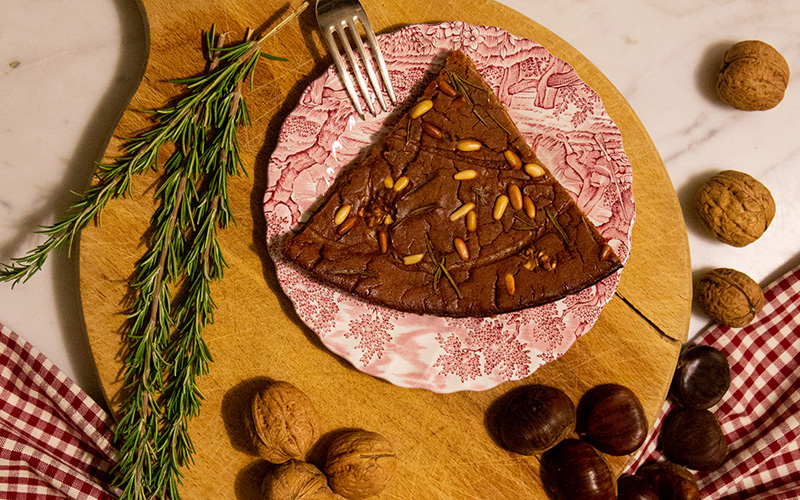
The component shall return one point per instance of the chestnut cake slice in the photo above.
(452, 215)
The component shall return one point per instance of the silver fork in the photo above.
(342, 17)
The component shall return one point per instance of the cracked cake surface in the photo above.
(451, 214)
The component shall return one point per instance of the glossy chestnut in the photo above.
(535, 418)
(612, 419)
(630, 487)
(693, 438)
(670, 481)
(701, 378)
(574, 470)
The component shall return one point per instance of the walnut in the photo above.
(297, 480)
(754, 76)
(284, 423)
(729, 297)
(735, 207)
(360, 464)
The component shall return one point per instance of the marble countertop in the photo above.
(67, 70)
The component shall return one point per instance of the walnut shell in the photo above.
(360, 464)
(284, 423)
(729, 297)
(296, 480)
(735, 207)
(754, 76)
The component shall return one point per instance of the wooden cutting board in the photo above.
(445, 450)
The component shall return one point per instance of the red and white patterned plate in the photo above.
(565, 123)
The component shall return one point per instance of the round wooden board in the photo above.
(443, 442)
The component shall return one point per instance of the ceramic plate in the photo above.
(561, 118)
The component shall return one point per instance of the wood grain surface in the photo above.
(444, 442)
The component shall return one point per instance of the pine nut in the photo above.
(400, 183)
(341, 214)
(462, 211)
(605, 252)
(446, 88)
(515, 196)
(388, 219)
(420, 108)
(431, 130)
(500, 206)
(468, 145)
(512, 159)
(529, 265)
(461, 248)
(465, 175)
(511, 285)
(388, 182)
(410, 260)
(383, 241)
(530, 208)
(534, 170)
(472, 222)
(458, 102)
(347, 225)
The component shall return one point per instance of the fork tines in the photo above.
(342, 18)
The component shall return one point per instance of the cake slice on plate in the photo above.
(451, 214)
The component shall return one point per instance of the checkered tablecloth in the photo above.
(55, 441)
(760, 414)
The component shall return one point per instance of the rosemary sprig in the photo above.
(558, 226)
(441, 268)
(588, 230)
(521, 224)
(165, 352)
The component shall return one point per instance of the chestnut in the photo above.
(693, 438)
(701, 378)
(630, 487)
(573, 469)
(612, 419)
(535, 418)
(670, 481)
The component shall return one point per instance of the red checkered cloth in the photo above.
(760, 414)
(55, 441)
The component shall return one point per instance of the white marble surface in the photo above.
(67, 70)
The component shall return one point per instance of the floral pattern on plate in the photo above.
(567, 126)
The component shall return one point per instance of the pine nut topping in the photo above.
(410, 260)
(388, 182)
(465, 175)
(605, 252)
(500, 206)
(347, 225)
(420, 108)
(388, 219)
(515, 196)
(383, 241)
(529, 265)
(446, 88)
(461, 248)
(400, 183)
(341, 214)
(530, 208)
(431, 130)
(468, 145)
(512, 159)
(472, 222)
(462, 211)
(534, 170)
(511, 285)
